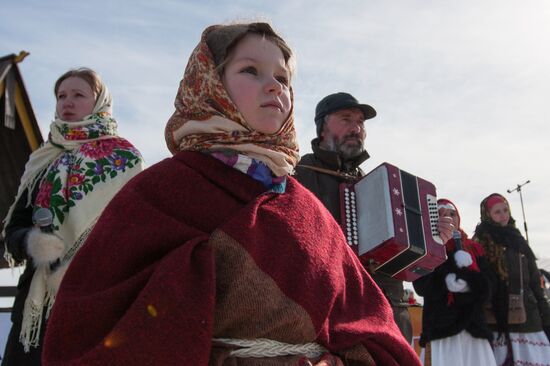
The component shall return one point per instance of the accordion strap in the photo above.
(346, 176)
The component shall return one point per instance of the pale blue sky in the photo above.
(461, 88)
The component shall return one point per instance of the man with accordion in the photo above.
(338, 151)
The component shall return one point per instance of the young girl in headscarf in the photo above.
(71, 177)
(217, 256)
(512, 262)
(454, 294)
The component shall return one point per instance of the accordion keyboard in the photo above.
(434, 217)
(350, 217)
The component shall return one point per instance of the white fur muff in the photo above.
(463, 259)
(455, 284)
(43, 248)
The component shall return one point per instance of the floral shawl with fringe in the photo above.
(78, 170)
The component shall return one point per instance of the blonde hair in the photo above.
(88, 75)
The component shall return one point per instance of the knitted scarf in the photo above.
(206, 119)
(78, 170)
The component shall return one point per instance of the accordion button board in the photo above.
(389, 218)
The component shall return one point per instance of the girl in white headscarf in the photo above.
(70, 179)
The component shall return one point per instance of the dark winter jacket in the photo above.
(537, 304)
(446, 314)
(326, 188)
(16, 230)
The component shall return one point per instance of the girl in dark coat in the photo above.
(512, 262)
(454, 294)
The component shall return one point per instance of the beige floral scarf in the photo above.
(206, 119)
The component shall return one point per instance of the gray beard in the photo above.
(344, 150)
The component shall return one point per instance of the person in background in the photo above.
(545, 281)
(338, 152)
(71, 178)
(512, 263)
(453, 323)
(225, 259)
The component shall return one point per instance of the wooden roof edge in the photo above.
(16, 58)
(24, 95)
(8, 57)
(21, 56)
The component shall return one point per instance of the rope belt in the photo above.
(262, 347)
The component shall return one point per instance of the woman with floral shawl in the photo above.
(71, 177)
(512, 263)
(226, 260)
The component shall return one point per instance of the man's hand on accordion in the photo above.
(445, 227)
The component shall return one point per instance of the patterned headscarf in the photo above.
(486, 205)
(467, 245)
(495, 253)
(206, 119)
(445, 203)
(78, 170)
(496, 238)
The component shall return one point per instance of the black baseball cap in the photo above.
(338, 101)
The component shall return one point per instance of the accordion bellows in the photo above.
(389, 218)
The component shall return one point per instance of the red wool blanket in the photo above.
(192, 250)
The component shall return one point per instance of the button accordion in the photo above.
(389, 218)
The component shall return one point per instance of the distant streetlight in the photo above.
(518, 189)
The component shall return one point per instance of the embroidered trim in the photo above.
(253, 168)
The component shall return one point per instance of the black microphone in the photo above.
(43, 218)
(458, 239)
